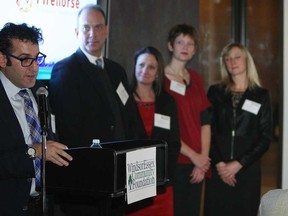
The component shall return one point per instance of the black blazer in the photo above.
(80, 103)
(16, 168)
(165, 105)
(253, 132)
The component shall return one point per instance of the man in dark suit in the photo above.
(91, 101)
(19, 59)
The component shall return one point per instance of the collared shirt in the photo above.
(17, 102)
(91, 58)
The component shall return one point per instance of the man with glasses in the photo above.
(20, 139)
(90, 96)
(26, 61)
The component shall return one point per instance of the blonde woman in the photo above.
(241, 134)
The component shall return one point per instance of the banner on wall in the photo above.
(57, 20)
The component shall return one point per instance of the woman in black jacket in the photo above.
(241, 134)
(158, 112)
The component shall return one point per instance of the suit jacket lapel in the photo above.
(91, 71)
(8, 117)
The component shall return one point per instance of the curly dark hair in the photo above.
(22, 32)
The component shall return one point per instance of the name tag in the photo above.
(251, 106)
(53, 123)
(162, 121)
(178, 87)
(122, 93)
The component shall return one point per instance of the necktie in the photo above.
(35, 131)
(99, 63)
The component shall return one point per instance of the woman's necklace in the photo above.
(146, 105)
(150, 101)
(183, 77)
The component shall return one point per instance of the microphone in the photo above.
(42, 94)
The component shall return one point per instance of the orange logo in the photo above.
(24, 5)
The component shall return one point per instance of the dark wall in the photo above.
(138, 23)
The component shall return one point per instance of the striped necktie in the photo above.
(99, 63)
(35, 130)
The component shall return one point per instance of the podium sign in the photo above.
(141, 174)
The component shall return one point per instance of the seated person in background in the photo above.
(274, 202)
(158, 112)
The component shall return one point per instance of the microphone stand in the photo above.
(42, 94)
(43, 170)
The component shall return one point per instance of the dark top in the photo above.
(165, 105)
(243, 135)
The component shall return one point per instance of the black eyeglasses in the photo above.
(26, 62)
